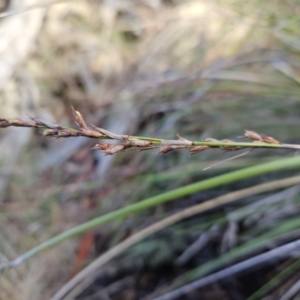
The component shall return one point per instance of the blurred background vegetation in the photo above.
(153, 68)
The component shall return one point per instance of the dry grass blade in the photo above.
(121, 247)
(225, 160)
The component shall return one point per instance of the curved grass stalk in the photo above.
(286, 163)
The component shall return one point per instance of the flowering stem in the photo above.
(139, 143)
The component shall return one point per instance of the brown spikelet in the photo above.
(110, 149)
(166, 149)
(269, 139)
(252, 135)
(198, 149)
(79, 119)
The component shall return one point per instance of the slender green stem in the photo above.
(285, 163)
